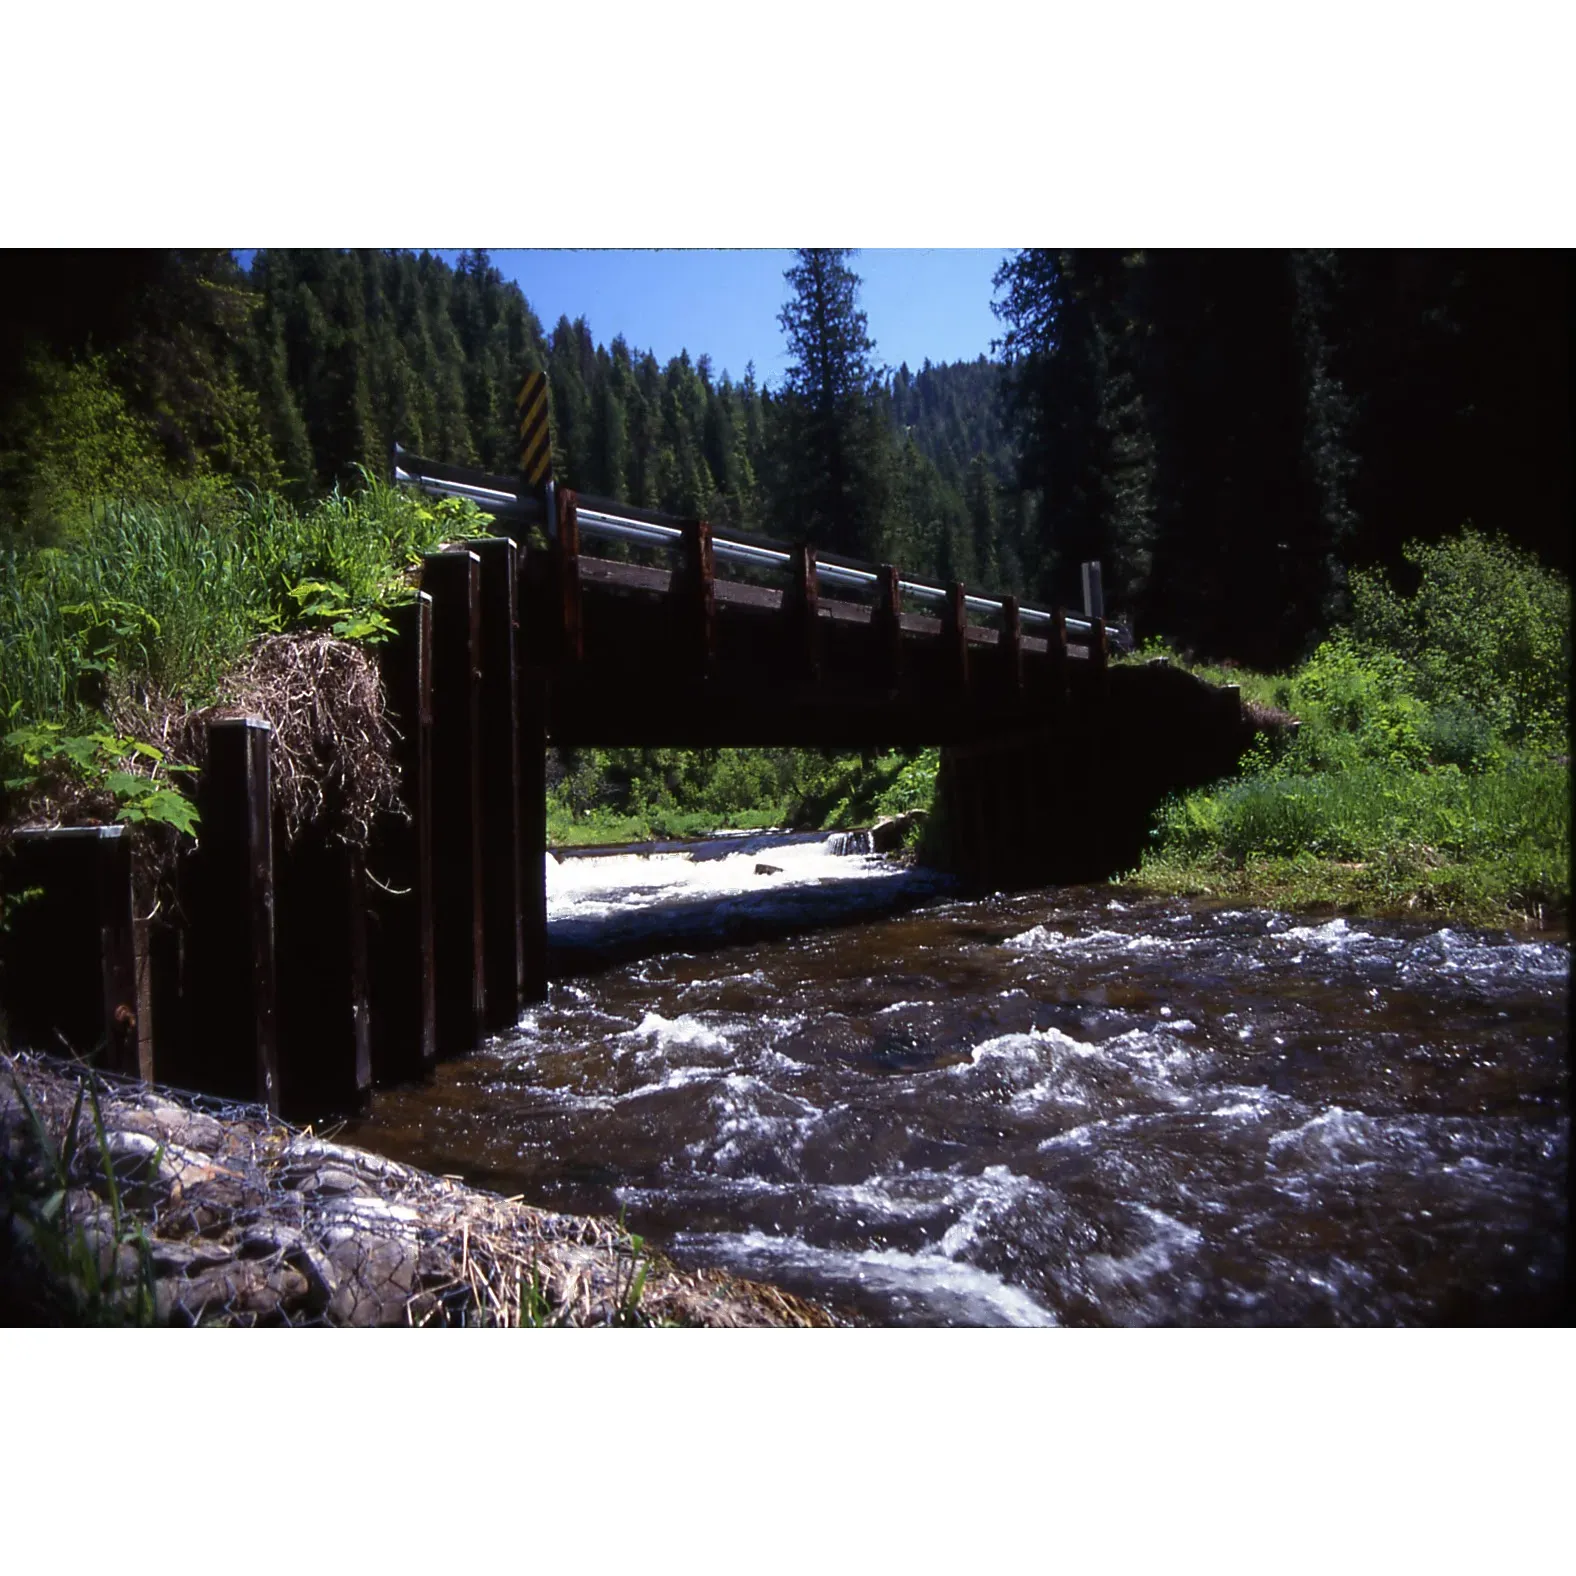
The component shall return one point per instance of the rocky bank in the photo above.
(176, 1209)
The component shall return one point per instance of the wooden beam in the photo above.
(566, 578)
(695, 599)
(801, 612)
(454, 579)
(404, 1027)
(500, 782)
(886, 625)
(1011, 645)
(954, 637)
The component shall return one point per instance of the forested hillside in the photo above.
(1231, 433)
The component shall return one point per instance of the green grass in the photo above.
(167, 594)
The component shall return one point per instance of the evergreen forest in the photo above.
(1231, 433)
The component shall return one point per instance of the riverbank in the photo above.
(126, 1204)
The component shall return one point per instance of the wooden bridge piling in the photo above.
(220, 1035)
(324, 1014)
(454, 580)
(1010, 648)
(69, 950)
(954, 638)
(886, 629)
(502, 845)
(400, 937)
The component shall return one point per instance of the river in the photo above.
(1069, 1106)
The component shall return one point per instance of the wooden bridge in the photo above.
(303, 974)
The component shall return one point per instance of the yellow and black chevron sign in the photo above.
(536, 444)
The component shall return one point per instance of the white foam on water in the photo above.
(603, 885)
(1335, 1135)
(1037, 939)
(947, 1289)
(1169, 1240)
(984, 1198)
(683, 1030)
(1336, 936)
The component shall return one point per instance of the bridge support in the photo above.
(404, 1024)
(454, 579)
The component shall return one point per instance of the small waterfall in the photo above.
(849, 843)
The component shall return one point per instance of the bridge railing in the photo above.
(613, 520)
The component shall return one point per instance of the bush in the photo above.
(1486, 632)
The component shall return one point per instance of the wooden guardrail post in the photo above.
(503, 974)
(228, 988)
(886, 627)
(1100, 655)
(566, 576)
(404, 1026)
(801, 614)
(68, 963)
(1056, 653)
(1011, 646)
(454, 579)
(954, 637)
(695, 597)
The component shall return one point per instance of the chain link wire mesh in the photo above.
(124, 1202)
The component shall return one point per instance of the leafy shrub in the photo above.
(1487, 629)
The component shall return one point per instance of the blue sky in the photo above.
(932, 303)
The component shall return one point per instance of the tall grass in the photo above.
(169, 593)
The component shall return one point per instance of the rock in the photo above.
(891, 832)
(768, 870)
(246, 1291)
(377, 1277)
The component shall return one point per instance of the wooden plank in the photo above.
(68, 957)
(454, 581)
(695, 599)
(533, 835)
(500, 782)
(566, 578)
(800, 615)
(954, 638)
(229, 985)
(886, 627)
(1011, 646)
(626, 577)
(404, 1027)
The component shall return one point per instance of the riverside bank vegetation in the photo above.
(1272, 453)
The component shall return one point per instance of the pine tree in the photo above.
(831, 464)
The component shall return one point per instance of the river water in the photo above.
(1070, 1106)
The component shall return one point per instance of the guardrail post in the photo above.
(404, 1029)
(886, 625)
(1056, 652)
(954, 637)
(503, 975)
(454, 578)
(696, 597)
(566, 576)
(69, 954)
(801, 612)
(1011, 645)
(1100, 655)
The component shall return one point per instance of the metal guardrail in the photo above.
(604, 523)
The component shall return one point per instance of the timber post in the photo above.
(69, 953)
(695, 597)
(404, 1029)
(229, 1030)
(801, 613)
(1010, 647)
(454, 579)
(954, 638)
(886, 628)
(566, 575)
(503, 974)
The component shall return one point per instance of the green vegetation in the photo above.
(1431, 767)
(82, 1275)
(616, 796)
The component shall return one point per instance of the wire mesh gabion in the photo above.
(125, 1202)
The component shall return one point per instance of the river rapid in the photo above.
(1069, 1106)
